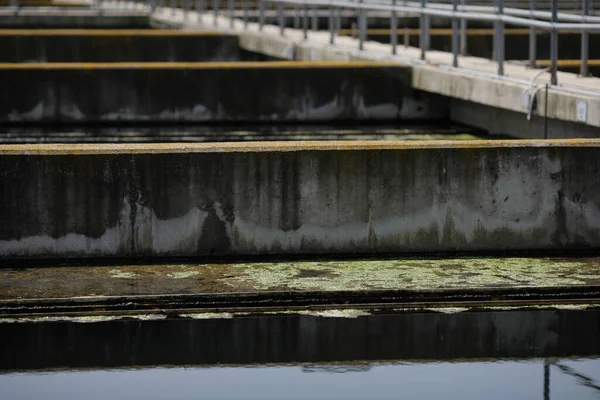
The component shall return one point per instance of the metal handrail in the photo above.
(498, 15)
(424, 10)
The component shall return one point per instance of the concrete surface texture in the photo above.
(410, 276)
(148, 45)
(297, 198)
(274, 91)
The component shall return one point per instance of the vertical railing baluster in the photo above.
(394, 29)
(230, 12)
(305, 21)
(585, 37)
(422, 44)
(361, 27)
(281, 17)
(554, 44)
(532, 38)
(499, 38)
(215, 5)
(246, 12)
(261, 14)
(315, 20)
(296, 16)
(331, 23)
(463, 32)
(406, 28)
(454, 35)
(199, 9)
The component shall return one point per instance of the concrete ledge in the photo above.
(68, 92)
(216, 202)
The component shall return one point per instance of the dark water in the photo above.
(565, 379)
(552, 353)
(236, 133)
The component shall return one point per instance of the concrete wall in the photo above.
(297, 198)
(211, 92)
(116, 46)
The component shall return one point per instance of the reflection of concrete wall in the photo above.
(116, 46)
(218, 200)
(290, 338)
(81, 19)
(222, 92)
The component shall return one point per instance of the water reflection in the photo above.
(293, 338)
(460, 380)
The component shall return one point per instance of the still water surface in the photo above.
(564, 379)
(510, 353)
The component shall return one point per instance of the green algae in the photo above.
(183, 274)
(117, 273)
(413, 274)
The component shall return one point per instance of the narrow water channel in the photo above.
(495, 354)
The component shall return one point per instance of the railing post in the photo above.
(406, 29)
(463, 32)
(199, 9)
(281, 17)
(362, 22)
(554, 44)
(261, 14)
(331, 23)
(246, 11)
(585, 37)
(315, 20)
(422, 33)
(230, 12)
(394, 29)
(305, 22)
(296, 16)
(215, 5)
(532, 39)
(454, 35)
(186, 9)
(499, 38)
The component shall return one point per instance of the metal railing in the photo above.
(459, 15)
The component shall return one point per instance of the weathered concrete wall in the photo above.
(297, 198)
(116, 46)
(211, 92)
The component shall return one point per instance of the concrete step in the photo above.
(215, 92)
(298, 198)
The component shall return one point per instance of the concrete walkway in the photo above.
(407, 283)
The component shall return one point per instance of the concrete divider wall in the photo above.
(303, 198)
(211, 92)
(116, 46)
